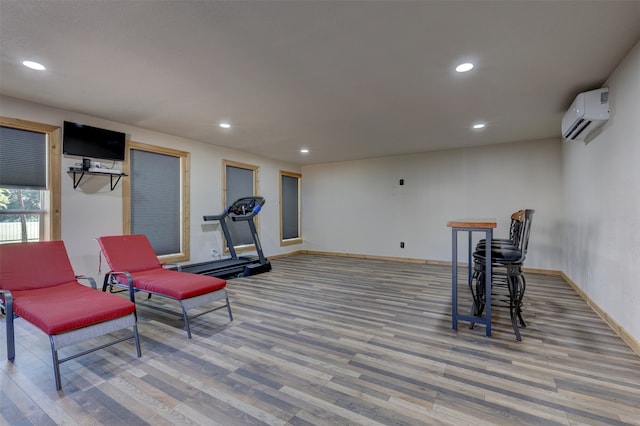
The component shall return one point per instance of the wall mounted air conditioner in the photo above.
(588, 112)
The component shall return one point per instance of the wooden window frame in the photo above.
(256, 180)
(297, 240)
(52, 195)
(185, 212)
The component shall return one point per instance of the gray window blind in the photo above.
(290, 203)
(155, 200)
(23, 158)
(239, 184)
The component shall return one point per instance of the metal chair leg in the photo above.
(513, 304)
(229, 309)
(136, 339)
(520, 296)
(8, 311)
(56, 364)
(477, 285)
(186, 320)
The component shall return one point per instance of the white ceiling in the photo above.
(345, 79)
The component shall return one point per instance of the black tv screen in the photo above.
(91, 142)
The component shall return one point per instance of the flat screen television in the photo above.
(92, 142)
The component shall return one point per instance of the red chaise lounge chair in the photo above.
(135, 266)
(37, 284)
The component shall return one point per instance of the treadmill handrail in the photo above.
(210, 217)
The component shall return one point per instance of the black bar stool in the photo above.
(507, 259)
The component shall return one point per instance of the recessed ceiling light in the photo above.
(479, 126)
(464, 67)
(225, 125)
(304, 151)
(34, 65)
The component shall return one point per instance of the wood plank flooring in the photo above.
(324, 340)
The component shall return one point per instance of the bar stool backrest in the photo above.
(525, 232)
(515, 230)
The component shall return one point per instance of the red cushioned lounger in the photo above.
(37, 284)
(135, 266)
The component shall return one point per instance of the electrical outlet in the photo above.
(401, 244)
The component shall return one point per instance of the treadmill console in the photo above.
(246, 206)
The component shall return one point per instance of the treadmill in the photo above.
(242, 210)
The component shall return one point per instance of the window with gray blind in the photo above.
(240, 182)
(290, 207)
(29, 180)
(156, 199)
(23, 159)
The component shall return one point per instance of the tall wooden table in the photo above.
(470, 226)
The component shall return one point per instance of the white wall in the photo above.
(93, 209)
(359, 207)
(602, 204)
(585, 196)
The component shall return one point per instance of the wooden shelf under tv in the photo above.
(78, 173)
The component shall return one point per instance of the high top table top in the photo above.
(472, 223)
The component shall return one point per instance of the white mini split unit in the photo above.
(588, 112)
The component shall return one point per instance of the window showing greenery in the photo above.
(29, 181)
(290, 232)
(21, 215)
(156, 199)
